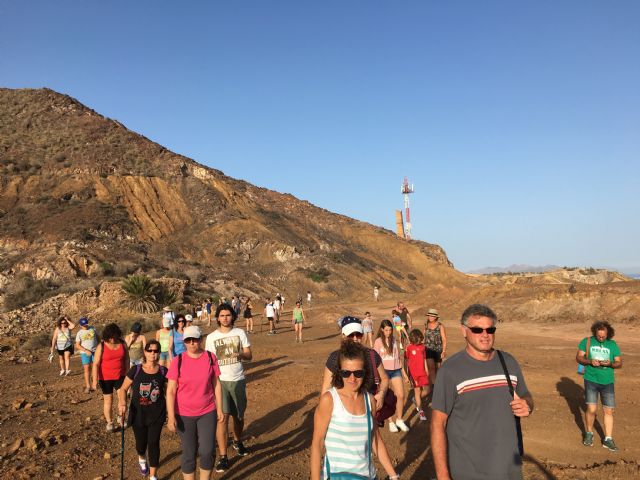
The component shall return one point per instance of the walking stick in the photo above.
(122, 451)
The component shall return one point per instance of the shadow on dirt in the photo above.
(293, 441)
(574, 396)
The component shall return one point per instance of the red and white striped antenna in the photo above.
(407, 189)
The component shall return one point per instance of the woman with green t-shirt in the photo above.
(298, 319)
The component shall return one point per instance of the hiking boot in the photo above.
(609, 444)
(239, 447)
(222, 465)
(393, 428)
(423, 417)
(401, 425)
(587, 439)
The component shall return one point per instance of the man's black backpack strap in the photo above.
(512, 391)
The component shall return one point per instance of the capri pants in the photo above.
(198, 436)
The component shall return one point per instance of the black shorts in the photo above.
(68, 349)
(107, 386)
(436, 356)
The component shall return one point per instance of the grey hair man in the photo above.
(475, 422)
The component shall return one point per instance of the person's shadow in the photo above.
(574, 396)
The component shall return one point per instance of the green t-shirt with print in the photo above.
(606, 350)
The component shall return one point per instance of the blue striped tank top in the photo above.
(347, 441)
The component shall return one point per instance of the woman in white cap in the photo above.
(193, 397)
(351, 328)
(435, 342)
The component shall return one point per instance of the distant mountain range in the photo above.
(631, 272)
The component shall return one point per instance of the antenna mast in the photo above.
(406, 189)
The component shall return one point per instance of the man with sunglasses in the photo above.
(474, 433)
(352, 331)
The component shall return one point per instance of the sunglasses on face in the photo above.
(153, 351)
(356, 373)
(191, 340)
(355, 335)
(479, 330)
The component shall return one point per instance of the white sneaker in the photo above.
(67, 373)
(61, 373)
(401, 425)
(392, 427)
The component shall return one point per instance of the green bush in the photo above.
(141, 293)
(319, 276)
(107, 269)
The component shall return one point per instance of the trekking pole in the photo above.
(122, 451)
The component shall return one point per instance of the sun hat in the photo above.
(432, 312)
(84, 321)
(351, 325)
(192, 331)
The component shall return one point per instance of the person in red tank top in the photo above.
(417, 365)
(109, 368)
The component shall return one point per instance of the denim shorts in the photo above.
(394, 373)
(607, 395)
(87, 359)
(164, 356)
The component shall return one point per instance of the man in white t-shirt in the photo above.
(270, 313)
(230, 346)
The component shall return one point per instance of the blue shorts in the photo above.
(164, 356)
(87, 359)
(607, 394)
(394, 373)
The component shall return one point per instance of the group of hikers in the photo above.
(194, 384)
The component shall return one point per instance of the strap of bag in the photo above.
(370, 433)
(588, 347)
(511, 392)
(376, 374)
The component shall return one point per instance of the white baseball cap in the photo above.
(192, 331)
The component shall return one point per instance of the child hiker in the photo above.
(417, 366)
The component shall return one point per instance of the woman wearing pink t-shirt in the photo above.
(193, 393)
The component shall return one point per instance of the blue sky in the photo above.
(517, 122)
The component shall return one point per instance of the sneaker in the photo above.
(222, 465)
(67, 373)
(401, 425)
(423, 417)
(62, 372)
(144, 469)
(608, 443)
(393, 427)
(587, 439)
(86, 390)
(239, 447)
(110, 427)
(270, 332)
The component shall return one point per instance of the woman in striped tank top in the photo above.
(344, 425)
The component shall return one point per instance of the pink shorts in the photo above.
(421, 381)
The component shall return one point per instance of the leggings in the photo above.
(148, 436)
(198, 436)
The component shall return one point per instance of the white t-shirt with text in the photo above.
(226, 347)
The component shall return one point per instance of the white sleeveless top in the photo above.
(347, 441)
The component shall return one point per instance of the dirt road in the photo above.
(283, 383)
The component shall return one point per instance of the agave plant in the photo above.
(141, 293)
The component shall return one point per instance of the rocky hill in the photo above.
(83, 199)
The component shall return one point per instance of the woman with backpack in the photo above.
(148, 411)
(194, 407)
(110, 365)
(62, 342)
(343, 423)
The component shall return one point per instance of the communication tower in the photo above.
(406, 189)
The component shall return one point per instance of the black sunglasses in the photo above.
(479, 330)
(355, 335)
(153, 351)
(356, 373)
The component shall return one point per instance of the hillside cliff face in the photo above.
(79, 191)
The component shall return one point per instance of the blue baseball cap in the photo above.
(84, 321)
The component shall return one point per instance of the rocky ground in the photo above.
(49, 428)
